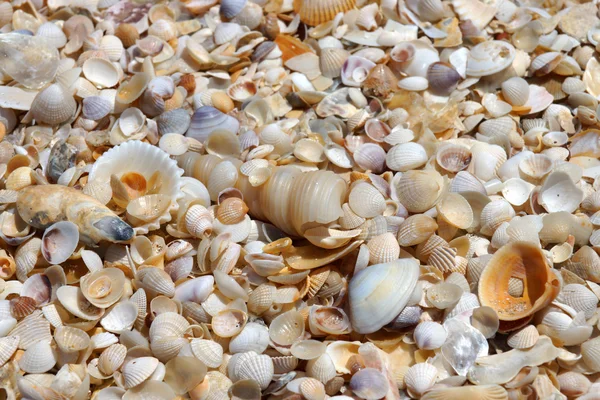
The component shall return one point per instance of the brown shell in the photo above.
(381, 81)
(315, 12)
(524, 261)
(22, 306)
(128, 34)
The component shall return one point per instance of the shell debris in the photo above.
(299, 199)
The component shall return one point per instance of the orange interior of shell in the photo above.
(523, 261)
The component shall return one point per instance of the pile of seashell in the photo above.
(299, 199)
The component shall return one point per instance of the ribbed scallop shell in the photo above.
(419, 378)
(207, 351)
(257, 367)
(416, 229)
(145, 159)
(53, 105)
(112, 358)
(32, 329)
(53, 34)
(383, 248)
(8, 347)
(580, 298)
(39, 358)
(524, 338)
(137, 370)
(516, 91)
(314, 12)
(406, 156)
(331, 61)
(430, 335)
(418, 191)
(365, 200)
(370, 157)
(254, 337)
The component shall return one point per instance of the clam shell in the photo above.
(207, 351)
(253, 337)
(104, 287)
(407, 156)
(71, 339)
(286, 328)
(524, 338)
(207, 119)
(419, 190)
(8, 346)
(366, 201)
(101, 72)
(59, 242)
(419, 378)
(121, 317)
(369, 316)
(416, 229)
(369, 383)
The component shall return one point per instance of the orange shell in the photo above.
(517, 260)
(315, 12)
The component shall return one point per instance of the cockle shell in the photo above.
(419, 190)
(540, 282)
(314, 13)
(516, 91)
(53, 105)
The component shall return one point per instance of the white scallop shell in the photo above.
(145, 159)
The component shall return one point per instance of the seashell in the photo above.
(207, 351)
(104, 287)
(8, 346)
(493, 288)
(100, 72)
(416, 229)
(138, 370)
(524, 338)
(490, 57)
(38, 358)
(173, 121)
(196, 290)
(72, 299)
(579, 297)
(121, 317)
(96, 107)
(329, 238)
(383, 248)
(183, 374)
(419, 190)
(198, 221)
(430, 335)
(112, 358)
(253, 337)
(59, 242)
(366, 201)
(53, 105)
(231, 8)
(414, 57)
(228, 323)
(120, 159)
(369, 383)
(286, 328)
(331, 61)
(370, 316)
(22, 306)
(516, 91)
(462, 392)
(355, 70)
(406, 156)
(314, 13)
(455, 210)
(328, 320)
(223, 143)
(535, 167)
(370, 157)
(232, 211)
(414, 84)
(207, 119)
(53, 34)
(250, 366)
(419, 378)
(444, 295)
(442, 78)
(127, 33)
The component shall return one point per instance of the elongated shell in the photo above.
(289, 199)
(378, 293)
(540, 282)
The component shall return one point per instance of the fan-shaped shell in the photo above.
(366, 201)
(53, 105)
(516, 91)
(524, 338)
(418, 191)
(39, 358)
(541, 285)
(137, 370)
(419, 378)
(430, 335)
(314, 12)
